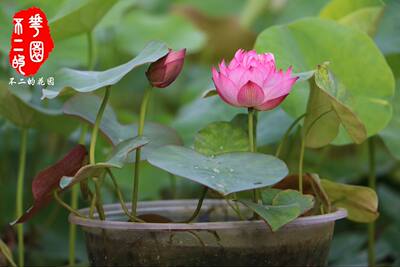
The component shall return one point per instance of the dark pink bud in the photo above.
(165, 70)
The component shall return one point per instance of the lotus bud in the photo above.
(165, 70)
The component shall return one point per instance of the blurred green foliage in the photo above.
(211, 30)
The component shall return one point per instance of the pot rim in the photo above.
(177, 205)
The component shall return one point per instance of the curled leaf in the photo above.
(327, 110)
(361, 202)
(47, 181)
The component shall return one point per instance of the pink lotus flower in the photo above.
(251, 80)
(165, 70)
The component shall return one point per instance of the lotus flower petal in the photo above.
(251, 80)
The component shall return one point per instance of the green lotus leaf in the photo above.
(355, 61)
(89, 81)
(226, 173)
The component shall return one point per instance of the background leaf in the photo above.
(308, 42)
(85, 106)
(338, 9)
(390, 134)
(174, 30)
(78, 17)
(25, 114)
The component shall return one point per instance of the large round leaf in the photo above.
(226, 173)
(355, 61)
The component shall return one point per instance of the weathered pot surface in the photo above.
(218, 238)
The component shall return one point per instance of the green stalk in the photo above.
(65, 205)
(252, 142)
(286, 135)
(93, 140)
(372, 185)
(173, 185)
(5, 250)
(91, 52)
(20, 195)
(135, 189)
(74, 206)
(252, 10)
(301, 163)
(121, 198)
(199, 205)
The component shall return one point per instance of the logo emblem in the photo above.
(31, 42)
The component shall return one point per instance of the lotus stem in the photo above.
(301, 164)
(252, 143)
(91, 50)
(65, 205)
(121, 198)
(135, 189)
(199, 205)
(93, 141)
(74, 205)
(7, 253)
(173, 185)
(20, 195)
(372, 185)
(286, 135)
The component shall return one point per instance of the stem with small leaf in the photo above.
(135, 189)
(20, 195)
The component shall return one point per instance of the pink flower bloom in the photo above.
(165, 70)
(251, 80)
